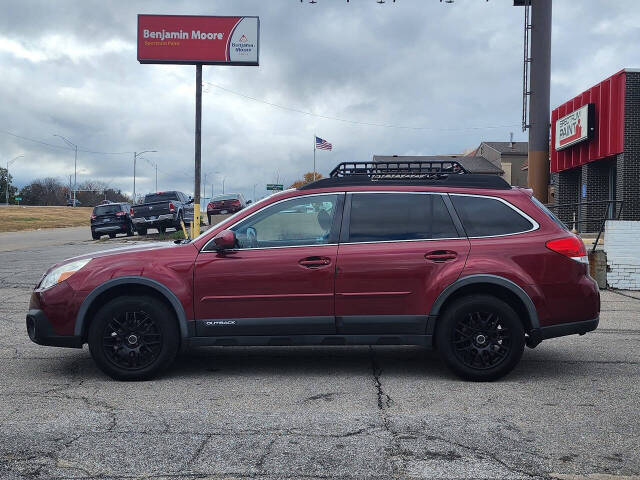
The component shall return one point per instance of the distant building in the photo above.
(470, 163)
(510, 157)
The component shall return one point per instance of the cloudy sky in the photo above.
(451, 72)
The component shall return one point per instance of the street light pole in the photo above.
(75, 165)
(9, 162)
(135, 157)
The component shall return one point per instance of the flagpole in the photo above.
(314, 157)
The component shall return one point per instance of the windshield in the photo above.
(160, 197)
(106, 209)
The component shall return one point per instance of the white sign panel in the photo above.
(574, 128)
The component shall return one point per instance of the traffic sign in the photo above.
(18, 199)
(275, 186)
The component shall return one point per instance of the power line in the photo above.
(61, 147)
(355, 122)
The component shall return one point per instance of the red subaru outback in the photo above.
(376, 254)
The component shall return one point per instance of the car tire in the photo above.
(134, 337)
(209, 219)
(95, 236)
(112, 235)
(162, 230)
(129, 230)
(480, 338)
(142, 231)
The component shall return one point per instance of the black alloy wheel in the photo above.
(133, 338)
(480, 337)
(112, 235)
(480, 340)
(129, 229)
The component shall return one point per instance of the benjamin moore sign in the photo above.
(188, 39)
(575, 127)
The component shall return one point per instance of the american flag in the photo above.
(322, 144)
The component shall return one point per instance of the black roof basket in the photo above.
(422, 169)
(446, 173)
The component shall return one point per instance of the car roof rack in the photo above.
(446, 173)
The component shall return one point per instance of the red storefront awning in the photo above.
(608, 137)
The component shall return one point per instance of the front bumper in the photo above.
(41, 332)
(560, 330)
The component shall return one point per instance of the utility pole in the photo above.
(198, 152)
(254, 192)
(9, 162)
(539, 98)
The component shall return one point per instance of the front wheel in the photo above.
(480, 338)
(133, 337)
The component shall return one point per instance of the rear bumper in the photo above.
(553, 331)
(168, 220)
(110, 228)
(218, 211)
(41, 332)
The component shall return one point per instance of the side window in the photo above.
(486, 217)
(399, 216)
(299, 221)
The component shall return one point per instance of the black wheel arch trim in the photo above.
(484, 279)
(81, 319)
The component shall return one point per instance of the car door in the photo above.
(280, 279)
(397, 251)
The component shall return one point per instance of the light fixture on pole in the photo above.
(75, 165)
(9, 162)
(135, 157)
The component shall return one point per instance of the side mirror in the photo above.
(190, 201)
(249, 202)
(225, 239)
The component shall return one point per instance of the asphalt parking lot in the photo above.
(569, 409)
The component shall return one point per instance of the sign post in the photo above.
(198, 40)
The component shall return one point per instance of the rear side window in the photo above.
(549, 213)
(379, 217)
(487, 217)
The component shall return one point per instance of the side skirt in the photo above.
(302, 340)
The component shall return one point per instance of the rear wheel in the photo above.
(133, 338)
(162, 230)
(480, 338)
(112, 235)
(95, 236)
(129, 229)
(209, 218)
(142, 231)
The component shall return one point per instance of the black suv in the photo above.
(111, 219)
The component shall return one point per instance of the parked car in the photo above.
(225, 203)
(162, 210)
(462, 263)
(111, 219)
(71, 202)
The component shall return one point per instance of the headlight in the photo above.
(61, 273)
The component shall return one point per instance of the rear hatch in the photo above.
(155, 204)
(225, 204)
(151, 210)
(107, 214)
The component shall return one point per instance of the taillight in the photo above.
(131, 211)
(210, 206)
(236, 202)
(571, 247)
(119, 214)
(171, 207)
